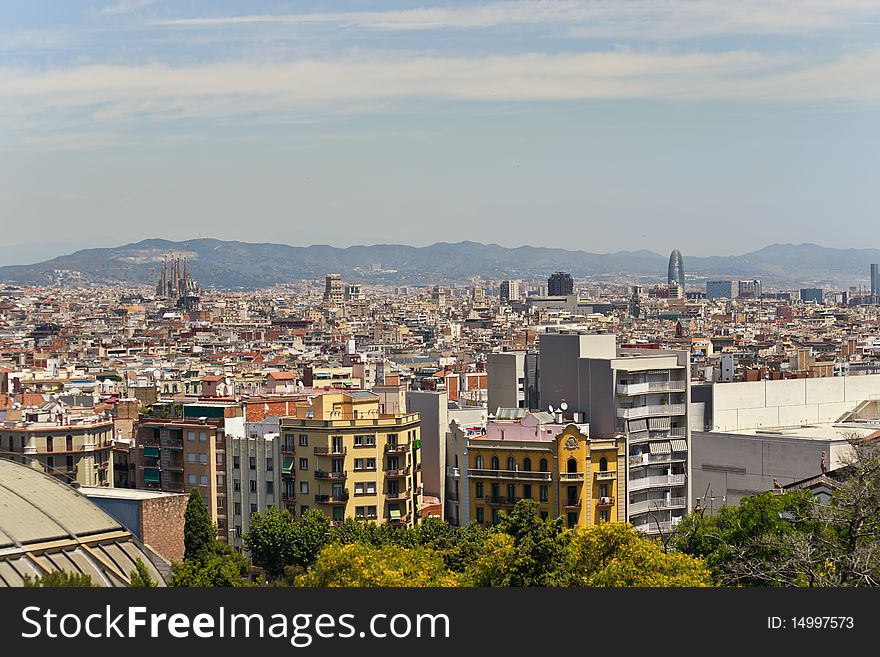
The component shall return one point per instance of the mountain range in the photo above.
(232, 265)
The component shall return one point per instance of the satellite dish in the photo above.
(550, 408)
(563, 406)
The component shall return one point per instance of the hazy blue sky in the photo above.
(712, 126)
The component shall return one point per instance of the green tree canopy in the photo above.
(140, 576)
(59, 578)
(199, 533)
(362, 564)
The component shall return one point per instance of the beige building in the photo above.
(72, 449)
(344, 456)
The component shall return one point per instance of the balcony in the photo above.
(606, 475)
(401, 448)
(502, 501)
(288, 448)
(172, 443)
(605, 501)
(395, 473)
(657, 481)
(400, 495)
(455, 473)
(323, 474)
(571, 503)
(332, 499)
(648, 459)
(658, 410)
(657, 505)
(654, 528)
(398, 522)
(330, 451)
(651, 387)
(174, 464)
(510, 474)
(288, 496)
(571, 476)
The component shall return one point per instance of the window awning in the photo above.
(151, 476)
(679, 445)
(638, 425)
(417, 443)
(287, 465)
(394, 514)
(660, 448)
(659, 423)
(151, 452)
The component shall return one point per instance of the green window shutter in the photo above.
(151, 452)
(287, 465)
(151, 476)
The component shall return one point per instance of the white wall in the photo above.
(791, 402)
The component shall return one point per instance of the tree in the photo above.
(59, 578)
(277, 541)
(220, 566)
(537, 545)
(199, 533)
(616, 555)
(140, 576)
(364, 565)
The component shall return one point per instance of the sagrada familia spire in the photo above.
(176, 282)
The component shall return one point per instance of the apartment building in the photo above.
(344, 456)
(254, 480)
(522, 455)
(74, 449)
(179, 454)
(643, 394)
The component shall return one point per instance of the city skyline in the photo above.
(380, 122)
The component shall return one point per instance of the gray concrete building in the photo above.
(432, 407)
(641, 393)
(507, 380)
(253, 480)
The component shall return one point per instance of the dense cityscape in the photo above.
(404, 405)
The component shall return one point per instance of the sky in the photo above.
(712, 126)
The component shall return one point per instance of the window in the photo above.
(572, 520)
(543, 493)
(496, 517)
(303, 464)
(50, 444)
(393, 487)
(269, 465)
(270, 488)
(70, 461)
(219, 458)
(603, 515)
(365, 464)
(572, 495)
(543, 465)
(220, 480)
(253, 508)
(360, 512)
(371, 512)
(219, 502)
(478, 463)
(191, 479)
(527, 491)
(253, 486)
(288, 443)
(527, 464)
(221, 524)
(511, 492)
(603, 490)
(365, 441)
(238, 531)
(191, 436)
(480, 515)
(203, 459)
(203, 480)
(236, 462)
(572, 465)
(495, 463)
(191, 457)
(365, 488)
(304, 487)
(238, 508)
(252, 462)
(303, 509)
(22, 441)
(203, 436)
(236, 485)
(303, 440)
(603, 464)
(69, 443)
(543, 515)
(478, 490)
(511, 463)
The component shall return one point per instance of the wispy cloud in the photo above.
(110, 95)
(653, 18)
(124, 7)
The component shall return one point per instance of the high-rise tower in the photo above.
(676, 270)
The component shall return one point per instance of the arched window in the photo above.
(69, 445)
(543, 465)
(603, 464)
(511, 463)
(527, 464)
(572, 465)
(478, 463)
(49, 445)
(495, 464)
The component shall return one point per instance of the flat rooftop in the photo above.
(123, 493)
(816, 431)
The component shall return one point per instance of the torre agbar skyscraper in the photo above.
(676, 269)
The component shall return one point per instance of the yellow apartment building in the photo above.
(342, 454)
(523, 455)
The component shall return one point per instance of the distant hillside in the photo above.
(243, 265)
